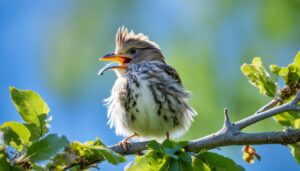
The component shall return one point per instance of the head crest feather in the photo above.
(123, 36)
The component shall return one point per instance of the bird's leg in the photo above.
(168, 136)
(125, 144)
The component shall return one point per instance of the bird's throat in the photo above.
(121, 71)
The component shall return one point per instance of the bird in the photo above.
(148, 100)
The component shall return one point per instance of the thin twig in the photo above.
(226, 118)
(269, 105)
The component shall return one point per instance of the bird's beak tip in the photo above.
(107, 57)
(120, 58)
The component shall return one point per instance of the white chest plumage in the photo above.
(148, 102)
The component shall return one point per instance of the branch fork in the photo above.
(228, 126)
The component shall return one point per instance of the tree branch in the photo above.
(290, 106)
(281, 137)
(231, 133)
(270, 105)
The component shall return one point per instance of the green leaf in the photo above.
(35, 166)
(286, 118)
(34, 130)
(32, 108)
(60, 160)
(198, 165)
(4, 162)
(275, 69)
(111, 156)
(296, 123)
(16, 135)
(96, 150)
(297, 63)
(154, 145)
(258, 76)
(289, 74)
(257, 62)
(46, 147)
(173, 144)
(297, 60)
(218, 162)
(173, 148)
(284, 72)
(183, 166)
(152, 161)
(295, 149)
(29, 104)
(185, 156)
(173, 165)
(170, 155)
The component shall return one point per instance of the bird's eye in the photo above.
(132, 51)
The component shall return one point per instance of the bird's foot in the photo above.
(125, 144)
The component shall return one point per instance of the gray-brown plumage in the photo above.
(148, 98)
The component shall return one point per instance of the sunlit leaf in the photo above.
(275, 69)
(295, 150)
(199, 165)
(32, 108)
(111, 156)
(29, 104)
(297, 60)
(96, 150)
(16, 134)
(258, 76)
(296, 123)
(285, 118)
(289, 74)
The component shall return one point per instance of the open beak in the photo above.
(121, 59)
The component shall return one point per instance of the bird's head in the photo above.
(131, 48)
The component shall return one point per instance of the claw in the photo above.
(125, 144)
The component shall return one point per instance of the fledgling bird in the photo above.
(147, 99)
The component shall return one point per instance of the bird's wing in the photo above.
(172, 72)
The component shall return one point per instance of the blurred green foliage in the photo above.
(191, 44)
